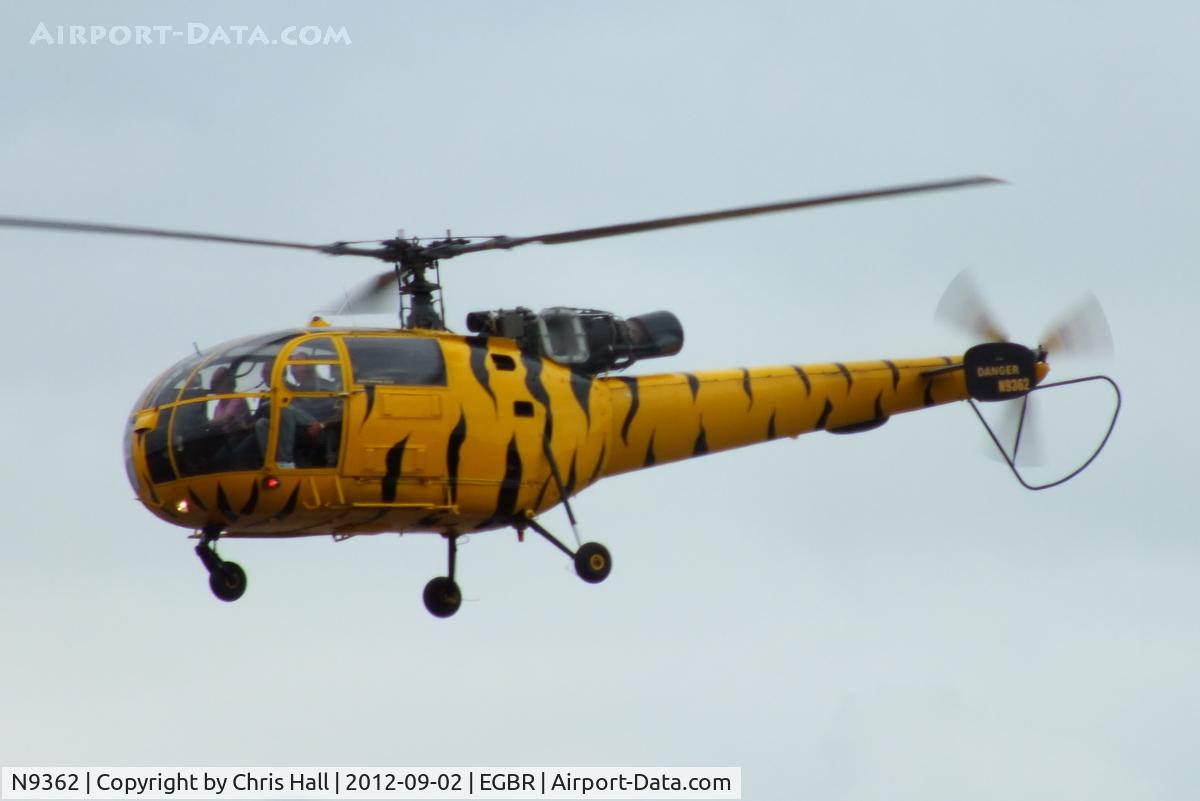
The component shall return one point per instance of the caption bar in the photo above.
(363, 784)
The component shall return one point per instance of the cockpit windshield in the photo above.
(221, 415)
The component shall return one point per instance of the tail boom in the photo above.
(668, 417)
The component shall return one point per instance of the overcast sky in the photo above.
(884, 615)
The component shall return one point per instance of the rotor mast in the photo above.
(424, 308)
(421, 304)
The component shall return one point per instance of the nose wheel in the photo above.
(227, 580)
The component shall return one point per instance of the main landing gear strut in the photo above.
(227, 580)
(593, 563)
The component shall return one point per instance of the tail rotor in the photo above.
(1000, 370)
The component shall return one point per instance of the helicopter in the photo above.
(325, 430)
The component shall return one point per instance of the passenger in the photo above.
(231, 415)
(231, 421)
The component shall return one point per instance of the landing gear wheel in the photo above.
(442, 597)
(228, 581)
(593, 563)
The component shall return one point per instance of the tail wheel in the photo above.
(228, 581)
(442, 597)
(593, 562)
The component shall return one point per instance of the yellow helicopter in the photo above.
(337, 431)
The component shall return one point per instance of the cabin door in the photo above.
(397, 414)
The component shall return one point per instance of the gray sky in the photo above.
(887, 615)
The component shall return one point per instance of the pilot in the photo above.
(193, 448)
(317, 445)
(291, 417)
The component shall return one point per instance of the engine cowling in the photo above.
(588, 340)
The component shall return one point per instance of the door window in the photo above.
(397, 361)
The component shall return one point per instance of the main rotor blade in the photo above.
(962, 306)
(335, 248)
(374, 296)
(578, 235)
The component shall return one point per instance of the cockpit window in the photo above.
(404, 361)
(314, 366)
(223, 417)
(240, 369)
(317, 350)
(172, 383)
(182, 382)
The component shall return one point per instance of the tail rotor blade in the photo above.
(962, 307)
(1027, 445)
(1018, 430)
(1082, 331)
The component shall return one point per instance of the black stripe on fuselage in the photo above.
(845, 374)
(253, 501)
(693, 385)
(581, 385)
(746, 388)
(633, 405)
(510, 488)
(569, 489)
(479, 366)
(453, 451)
(289, 506)
(223, 505)
(824, 418)
(895, 373)
(196, 500)
(701, 446)
(804, 377)
(533, 382)
(541, 494)
(392, 462)
(649, 461)
(599, 463)
(369, 389)
(479, 353)
(771, 426)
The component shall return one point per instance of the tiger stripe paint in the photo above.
(804, 377)
(454, 451)
(834, 396)
(479, 360)
(632, 386)
(471, 463)
(223, 505)
(252, 501)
